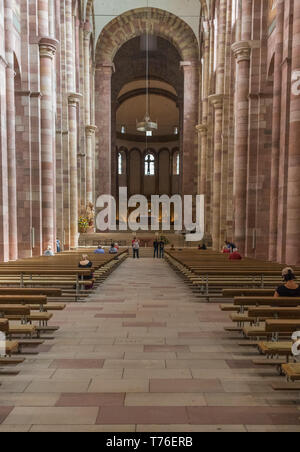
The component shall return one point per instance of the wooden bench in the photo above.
(273, 349)
(292, 371)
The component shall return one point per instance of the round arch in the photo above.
(134, 23)
(120, 30)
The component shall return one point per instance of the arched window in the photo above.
(176, 163)
(149, 165)
(121, 163)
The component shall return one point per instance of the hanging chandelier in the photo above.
(147, 125)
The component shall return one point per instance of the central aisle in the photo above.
(144, 355)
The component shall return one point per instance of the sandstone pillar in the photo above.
(202, 130)
(11, 128)
(4, 230)
(217, 101)
(276, 132)
(47, 52)
(103, 122)
(293, 196)
(190, 120)
(73, 99)
(90, 132)
(242, 52)
(87, 88)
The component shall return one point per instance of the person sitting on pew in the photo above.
(113, 249)
(202, 247)
(86, 263)
(290, 288)
(49, 251)
(235, 255)
(226, 249)
(99, 250)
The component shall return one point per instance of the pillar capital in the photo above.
(217, 100)
(109, 68)
(241, 50)
(90, 130)
(185, 65)
(74, 98)
(202, 129)
(86, 34)
(48, 47)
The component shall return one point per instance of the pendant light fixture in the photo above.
(147, 125)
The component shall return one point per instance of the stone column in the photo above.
(47, 52)
(217, 101)
(103, 122)
(190, 120)
(4, 230)
(293, 196)
(73, 99)
(202, 130)
(242, 52)
(276, 131)
(11, 128)
(87, 88)
(43, 17)
(90, 132)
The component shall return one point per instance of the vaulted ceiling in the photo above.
(107, 10)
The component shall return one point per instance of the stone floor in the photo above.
(145, 355)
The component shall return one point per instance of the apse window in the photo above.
(176, 164)
(123, 130)
(120, 164)
(149, 165)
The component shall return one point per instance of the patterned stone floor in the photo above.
(144, 355)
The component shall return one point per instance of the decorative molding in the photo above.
(153, 139)
(74, 98)
(87, 35)
(105, 66)
(189, 64)
(48, 47)
(242, 51)
(26, 93)
(36, 94)
(90, 130)
(217, 100)
(142, 91)
(202, 129)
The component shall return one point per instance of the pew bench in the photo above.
(292, 371)
(273, 349)
(242, 302)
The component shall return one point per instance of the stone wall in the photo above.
(46, 123)
(248, 133)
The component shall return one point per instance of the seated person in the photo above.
(235, 255)
(99, 250)
(225, 249)
(172, 247)
(117, 246)
(113, 250)
(202, 247)
(49, 251)
(86, 263)
(290, 288)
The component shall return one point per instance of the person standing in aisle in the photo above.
(136, 249)
(156, 248)
(161, 249)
